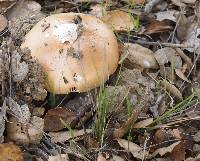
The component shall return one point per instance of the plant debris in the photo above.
(148, 109)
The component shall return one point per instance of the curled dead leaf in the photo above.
(164, 150)
(171, 89)
(181, 75)
(139, 55)
(52, 120)
(157, 27)
(63, 136)
(184, 57)
(136, 150)
(143, 123)
(128, 145)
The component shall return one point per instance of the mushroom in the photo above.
(78, 52)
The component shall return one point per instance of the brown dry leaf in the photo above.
(63, 136)
(3, 23)
(161, 135)
(171, 89)
(166, 55)
(25, 133)
(164, 150)
(182, 75)
(157, 27)
(21, 127)
(10, 152)
(59, 157)
(184, 27)
(120, 132)
(52, 120)
(17, 131)
(130, 146)
(101, 157)
(178, 152)
(143, 123)
(119, 20)
(136, 150)
(187, 60)
(137, 54)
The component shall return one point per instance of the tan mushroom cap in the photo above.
(78, 52)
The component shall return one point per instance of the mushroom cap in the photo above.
(78, 52)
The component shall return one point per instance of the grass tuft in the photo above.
(102, 112)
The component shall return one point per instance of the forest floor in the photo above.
(147, 110)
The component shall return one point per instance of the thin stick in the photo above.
(163, 44)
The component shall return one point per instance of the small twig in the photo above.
(163, 44)
(10, 72)
(135, 39)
